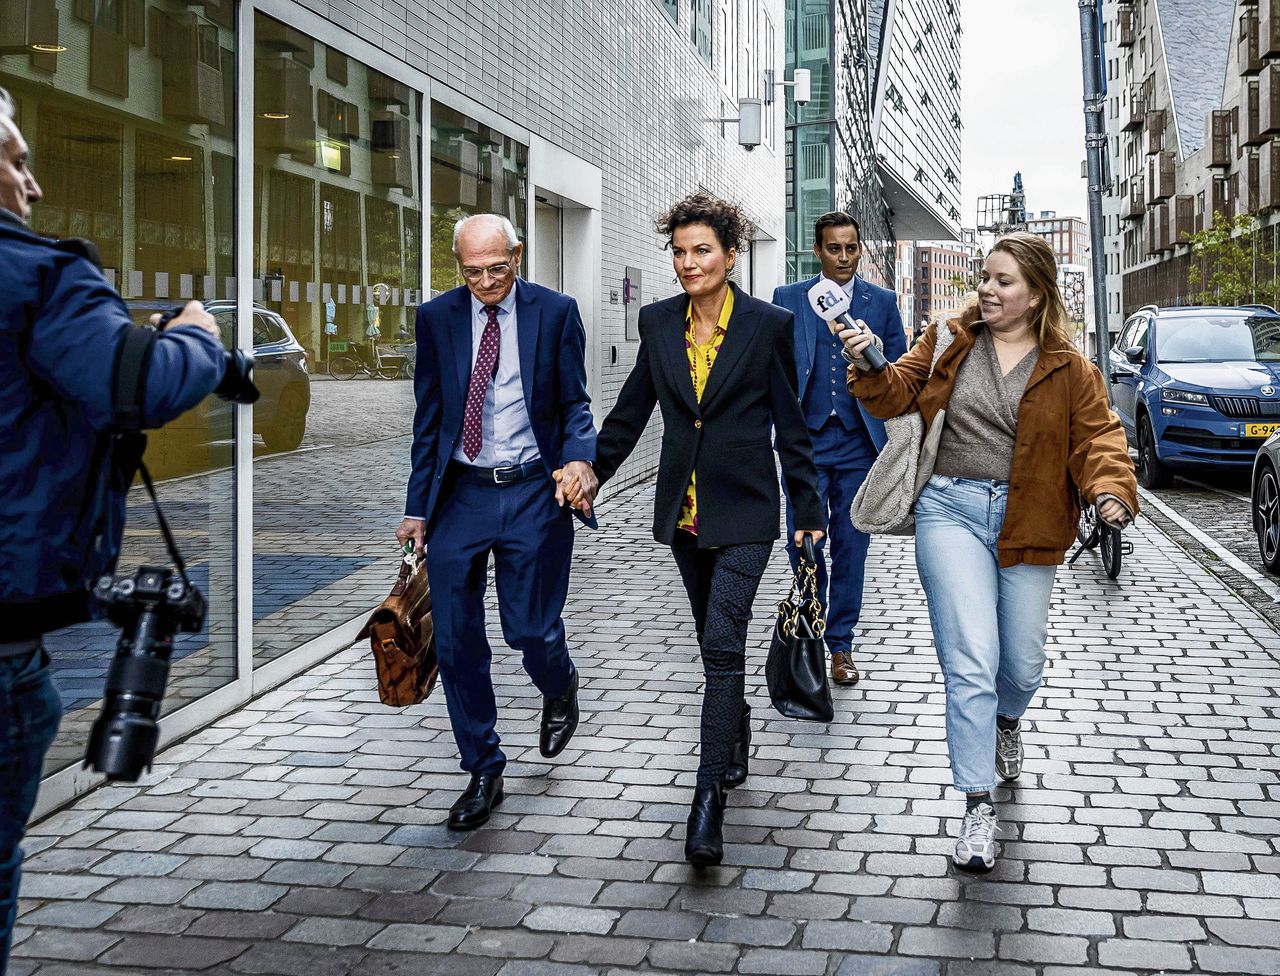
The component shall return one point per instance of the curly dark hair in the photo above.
(732, 228)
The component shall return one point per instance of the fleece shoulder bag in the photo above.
(884, 503)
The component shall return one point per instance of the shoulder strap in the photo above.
(80, 247)
(133, 360)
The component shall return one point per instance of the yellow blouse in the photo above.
(701, 359)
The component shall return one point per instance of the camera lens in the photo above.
(122, 745)
(237, 379)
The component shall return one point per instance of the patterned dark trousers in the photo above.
(722, 585)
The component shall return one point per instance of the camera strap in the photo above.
(169, 542)
(133, 360)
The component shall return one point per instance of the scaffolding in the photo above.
(1003, 213)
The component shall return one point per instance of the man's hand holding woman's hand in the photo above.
(577, 484)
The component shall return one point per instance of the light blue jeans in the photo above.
(989, 624)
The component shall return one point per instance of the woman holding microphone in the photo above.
(721, 367)
(1027, 431)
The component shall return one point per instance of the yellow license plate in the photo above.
(1260, 430)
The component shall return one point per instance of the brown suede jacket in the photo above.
(1067, 438)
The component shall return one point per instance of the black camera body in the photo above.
(149, 607)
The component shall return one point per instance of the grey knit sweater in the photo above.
(982, 414)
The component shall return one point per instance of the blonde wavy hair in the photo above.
(1035, 260)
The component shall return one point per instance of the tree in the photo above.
(963, 283)
(1232, 264)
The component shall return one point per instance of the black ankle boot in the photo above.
(703, 845)
(735, 774)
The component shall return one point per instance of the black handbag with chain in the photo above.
(796, 669)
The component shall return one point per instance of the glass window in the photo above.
(700, 29)
(267, 330)
(337, 266)
(474, 169)
(130, 124)
(813, 195)
(671, 8)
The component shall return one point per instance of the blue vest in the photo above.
(840, 441)
(828, 386)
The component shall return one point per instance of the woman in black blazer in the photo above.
(721, 366)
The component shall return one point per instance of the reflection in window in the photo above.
(130, 120)
(700, 29)
(337, 265)
(81, 170)
(474, 169)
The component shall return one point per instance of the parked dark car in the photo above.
(201, 438)
(1197, 387)
(1265, 502)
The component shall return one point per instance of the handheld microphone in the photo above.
(831, 304)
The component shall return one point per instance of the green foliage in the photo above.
(1231, 264)
(444, 269)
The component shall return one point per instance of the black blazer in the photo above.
(726, 438)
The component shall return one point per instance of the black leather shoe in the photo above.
(735, 774)
(703, 844)
(559, 721)
(472, 809)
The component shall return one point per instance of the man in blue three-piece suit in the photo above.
(501, 386)
(846, 439)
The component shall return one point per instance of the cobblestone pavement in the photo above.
(303, 834)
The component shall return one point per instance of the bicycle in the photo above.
(1094, 533)
(386, 366)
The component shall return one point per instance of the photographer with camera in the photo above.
(64, 333)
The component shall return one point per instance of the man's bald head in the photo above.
(482, 229)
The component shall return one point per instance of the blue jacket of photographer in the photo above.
(61, 516)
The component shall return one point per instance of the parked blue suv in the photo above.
(1197, 387)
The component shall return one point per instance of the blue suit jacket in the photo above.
(552, 371)
(876, 306)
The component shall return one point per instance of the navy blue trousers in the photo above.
(531, 540)
(842, 459)
(30, 711)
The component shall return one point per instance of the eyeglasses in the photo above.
(495, 271)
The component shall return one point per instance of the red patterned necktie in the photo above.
(486, 366)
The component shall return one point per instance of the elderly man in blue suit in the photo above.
(846, 439)
(501, 386)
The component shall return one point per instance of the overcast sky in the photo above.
(1022, 103)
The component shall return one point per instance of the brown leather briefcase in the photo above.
(402, 638)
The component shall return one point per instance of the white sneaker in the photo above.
(1008, 753)
(976, 845)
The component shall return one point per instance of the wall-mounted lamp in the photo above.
(800, 81)
(750, 122)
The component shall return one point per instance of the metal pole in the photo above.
(1095, 140)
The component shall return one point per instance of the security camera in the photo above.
(800, 81)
